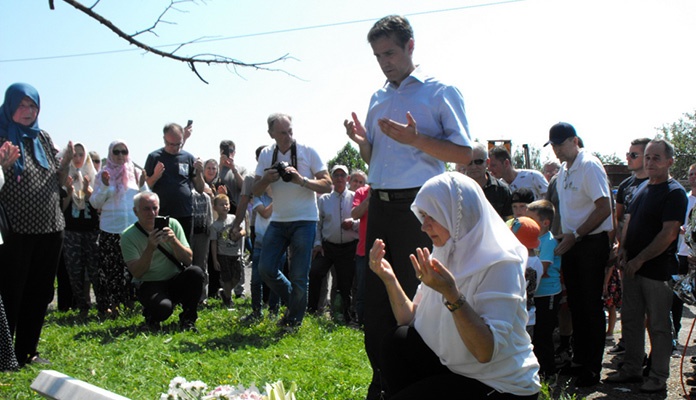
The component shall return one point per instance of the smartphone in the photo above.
(189, 123)
(225, 149)
(161, 222)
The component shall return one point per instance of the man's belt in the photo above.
(395, 194)
(346, 244)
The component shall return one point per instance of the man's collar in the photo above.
(417, 74)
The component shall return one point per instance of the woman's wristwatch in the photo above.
(456, 305)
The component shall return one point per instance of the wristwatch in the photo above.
(456, 305)
(577, 236)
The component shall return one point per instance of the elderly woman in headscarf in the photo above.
(31, 199)
(464, 331)
(115, 186)
(80, 248)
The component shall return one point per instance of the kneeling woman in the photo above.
(464, 331)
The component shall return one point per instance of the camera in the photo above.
(161, 222)
(280, 167)
(225, 149)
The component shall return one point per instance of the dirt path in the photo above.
(630, 391)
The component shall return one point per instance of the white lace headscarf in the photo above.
(87, 170)
(478, 236)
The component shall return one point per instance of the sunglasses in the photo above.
(633, 155)
(478, 161)
(119, 152)
(95, 161)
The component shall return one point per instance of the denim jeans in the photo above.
(256, 285)
(292, 290)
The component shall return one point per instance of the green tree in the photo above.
(534, 158)
(609, 159)
(682, 134)
(349, 157)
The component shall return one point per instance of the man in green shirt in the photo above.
(159, 260)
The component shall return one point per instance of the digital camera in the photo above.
(280, 167)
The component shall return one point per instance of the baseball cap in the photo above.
(560, 132)
(522, 195)
(341, 167)
(527, 231)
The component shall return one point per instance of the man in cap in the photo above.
(585, 209)
(335, 243)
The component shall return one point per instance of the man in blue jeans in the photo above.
(294, 172)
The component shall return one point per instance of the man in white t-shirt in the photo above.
(501, 167)
(294, 172)
(585, 207)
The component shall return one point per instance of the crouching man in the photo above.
(158, 258)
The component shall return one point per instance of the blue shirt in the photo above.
(439, 112)
(550, 284)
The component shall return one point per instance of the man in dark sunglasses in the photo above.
(624, 195)
(497, 192)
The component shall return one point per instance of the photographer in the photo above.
(157, 253)
(295, 214)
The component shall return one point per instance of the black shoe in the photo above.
(289, 325)
(188, 325)
(572, 370)
(251, 318)
(617, 350)
(587, 378)
(36, 359)
(618, 377)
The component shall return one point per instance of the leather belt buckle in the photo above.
(384, 196)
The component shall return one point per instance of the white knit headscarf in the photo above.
(478, 236)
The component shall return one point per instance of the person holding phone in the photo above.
(158, 255)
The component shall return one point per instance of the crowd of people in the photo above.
(458, 279)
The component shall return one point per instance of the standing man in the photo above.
(414, 124)
(171, 172)
(337, 239)
(585, 208)
(501, 167)
(295, 213)
(648, 256)
(497, 192)
(550, 169)
(624, 196)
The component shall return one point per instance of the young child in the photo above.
(548, 294)
(226, 248)
(520, 199)
(527, 232)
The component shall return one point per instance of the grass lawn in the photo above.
(326, 359)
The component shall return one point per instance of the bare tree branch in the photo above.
(191, 61)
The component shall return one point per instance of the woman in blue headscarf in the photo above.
(31, 199)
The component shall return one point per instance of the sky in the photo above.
(616, 70)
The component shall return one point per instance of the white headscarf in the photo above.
(478, 236)
(487, 262)
(87, 169)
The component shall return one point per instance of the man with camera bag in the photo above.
(294, 172)
(157, 253)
